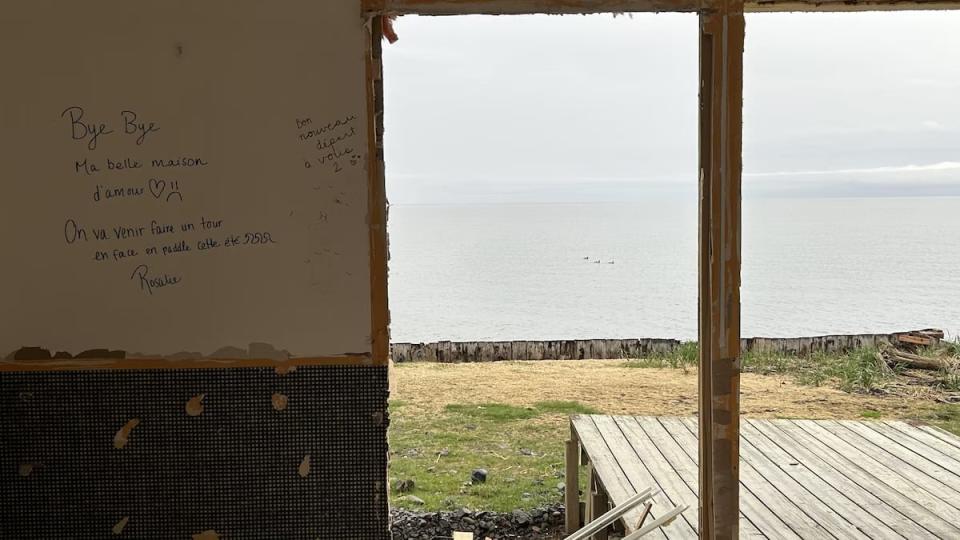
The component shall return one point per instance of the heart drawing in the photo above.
(157, 187)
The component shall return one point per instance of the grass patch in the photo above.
(950, 379)
(854, 371)
(859, 371)
(493, 412)
(946, 417)
(523, 459)
(501, 412)
(520, 447)
(869, 413)
(648, 363)
(687, 354)
(564, 407)
(396, 404)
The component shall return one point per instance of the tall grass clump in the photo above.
(687, 354)
(859, 370)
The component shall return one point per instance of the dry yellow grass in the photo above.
(608, 386)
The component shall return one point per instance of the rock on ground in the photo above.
(537, 524)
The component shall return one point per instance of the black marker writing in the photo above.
(80, 130)
(141, 276)
(140, 129)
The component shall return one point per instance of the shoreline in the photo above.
(600, 349)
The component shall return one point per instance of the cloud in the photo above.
(943, 166)
(933, 179)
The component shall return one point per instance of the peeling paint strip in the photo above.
(287, 366)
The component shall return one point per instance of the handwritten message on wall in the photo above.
(159, 181)
(194, 189)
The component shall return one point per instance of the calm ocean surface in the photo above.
(824, 266)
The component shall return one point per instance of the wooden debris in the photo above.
(645, 514)
(892, 356)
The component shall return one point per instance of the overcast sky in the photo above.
(596, 108)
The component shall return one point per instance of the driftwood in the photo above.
(893, 356)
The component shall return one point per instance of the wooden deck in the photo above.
(798, 478)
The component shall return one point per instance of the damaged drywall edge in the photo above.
(256, 354)
(282, 367)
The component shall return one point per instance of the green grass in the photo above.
(564, 407)
(524, 459)
(870, 413)
(493, 412)
(946, 417)
(950, 380)
(854, 371)
(500, 412)
(686, 355)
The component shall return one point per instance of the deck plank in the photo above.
(794, 484)
(884, 518)
(621, 483)
(941, 434)
(677, 444)
(872, 463)
(770, 497)
(828, 495)
(891, 493)
(643, 462)
(644, 445)
(799, 478)
(668, 478)
(923, 451)
(924, 438)
(912, 464)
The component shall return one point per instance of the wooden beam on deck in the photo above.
(721, 99)
(571, 479)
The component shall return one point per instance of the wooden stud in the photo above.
(599, 503)
(571, 493)
(377, 199)
(721, 97)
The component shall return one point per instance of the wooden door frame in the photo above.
(721, 32)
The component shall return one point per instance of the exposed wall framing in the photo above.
(721, 97)
(721, 100)
(379, 251)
